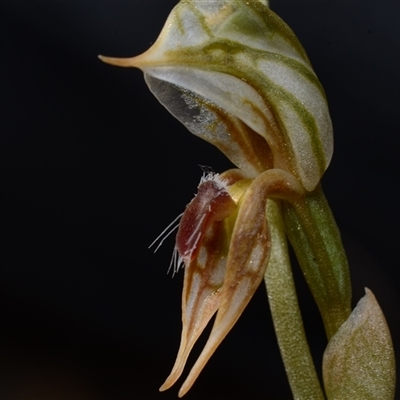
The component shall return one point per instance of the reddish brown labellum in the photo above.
(212, 203)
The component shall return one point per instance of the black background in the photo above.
(93, 169)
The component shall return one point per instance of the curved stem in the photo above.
(313, 233)
(286, 314)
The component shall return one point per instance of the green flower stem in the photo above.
(286, 314)
(313, 233)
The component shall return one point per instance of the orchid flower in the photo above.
(236, 76)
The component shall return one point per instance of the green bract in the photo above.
(236, 75)
(359, 360)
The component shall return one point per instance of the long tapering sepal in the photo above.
(247, 259)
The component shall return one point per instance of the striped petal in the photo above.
(228, 65)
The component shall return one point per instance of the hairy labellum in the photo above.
(212, 203)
